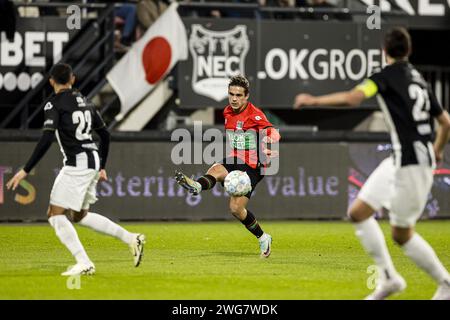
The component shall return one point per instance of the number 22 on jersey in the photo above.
(421, 108)
(84, 121)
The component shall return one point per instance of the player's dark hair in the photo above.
(61, 73)
(240, 81)
(397, 43)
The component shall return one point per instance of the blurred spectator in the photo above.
(245, 13)
(324, 16)
(36, 11)
(8, 18)
(212, 12)
(148, 12)
(126, 16)
(280, 4)
(48, 11)
(301, 3)
(27, 11)
(207, 12)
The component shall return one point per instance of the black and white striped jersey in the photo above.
(409, 106)
(73, 118)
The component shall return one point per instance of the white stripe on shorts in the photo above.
(82, 160)
(96, 160)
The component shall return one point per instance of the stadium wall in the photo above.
(310, 56)
(316, 180)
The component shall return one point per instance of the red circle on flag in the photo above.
(156, 59)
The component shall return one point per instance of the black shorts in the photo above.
(232, 164)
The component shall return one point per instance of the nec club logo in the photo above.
(217, 56)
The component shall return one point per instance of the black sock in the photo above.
(207, 181)
(252, 225)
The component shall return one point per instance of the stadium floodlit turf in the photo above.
(208, 260)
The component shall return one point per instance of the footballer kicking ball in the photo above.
(237, 183)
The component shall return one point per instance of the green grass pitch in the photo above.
(209, 260)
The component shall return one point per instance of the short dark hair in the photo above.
(240, 81)
(397, 43)
(61, 73)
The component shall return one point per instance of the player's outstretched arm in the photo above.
(365, 90)
(442, 135)
(39, 151)
(351, 98)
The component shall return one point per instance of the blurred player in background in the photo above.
(402, 182)
(243, 123)
(70, 116)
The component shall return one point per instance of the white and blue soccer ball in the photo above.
(237, 183)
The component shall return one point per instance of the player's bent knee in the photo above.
(401, 235)
(354, 214)
(398, 239)
(78, 216)
(359, 211)
(218, 171)
(55, 210)
(236, 210)
(351, 214)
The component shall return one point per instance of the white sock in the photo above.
(104, 225)
(423, 255)
(372, 239)
(68, 236)
(263, 237)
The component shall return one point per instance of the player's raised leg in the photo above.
(216, 173)
(372, 239)
(188, 183)
(68, 236)
(238, 209)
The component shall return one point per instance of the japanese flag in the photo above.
(149, 59)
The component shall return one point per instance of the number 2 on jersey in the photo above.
(84, 120)
(421, 107)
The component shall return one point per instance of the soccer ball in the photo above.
(237, 183)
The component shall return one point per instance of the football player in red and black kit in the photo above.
(250, 135)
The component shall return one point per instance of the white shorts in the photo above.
(74, 188)
(403, 191)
